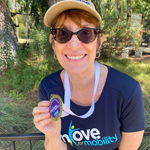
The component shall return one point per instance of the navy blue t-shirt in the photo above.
(120, 108)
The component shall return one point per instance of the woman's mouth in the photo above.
(75, 57)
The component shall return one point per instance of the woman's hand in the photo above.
(43, 121)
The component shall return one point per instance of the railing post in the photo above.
(13, 145)
(29, 145)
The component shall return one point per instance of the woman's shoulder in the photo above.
(122, 82)
(52, 79)
(116, 74)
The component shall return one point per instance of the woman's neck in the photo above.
(82, 82)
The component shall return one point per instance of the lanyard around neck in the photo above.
(66, 105)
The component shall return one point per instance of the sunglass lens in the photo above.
(86, 35)
(62, 35)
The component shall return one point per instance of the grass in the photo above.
(16, 117)
(15, 114)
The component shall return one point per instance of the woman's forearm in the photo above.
(54, 143)
(131, 140)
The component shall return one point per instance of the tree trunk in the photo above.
(8, 38)
(128, 6)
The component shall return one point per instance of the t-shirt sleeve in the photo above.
(42, 93)
(133, 116)
(50, 85)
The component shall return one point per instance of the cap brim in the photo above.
(61, 6)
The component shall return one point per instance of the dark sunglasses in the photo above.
(85, 35)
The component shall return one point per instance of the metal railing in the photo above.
(22, 137)
(31, 136)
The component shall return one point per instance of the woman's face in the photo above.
(75, 56)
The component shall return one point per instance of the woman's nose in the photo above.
(74, 42)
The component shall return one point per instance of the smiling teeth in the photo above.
(75, 57)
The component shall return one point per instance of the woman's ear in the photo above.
(51, 40)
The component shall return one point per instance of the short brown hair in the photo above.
(76, 15)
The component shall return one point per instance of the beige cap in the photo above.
(63, 5)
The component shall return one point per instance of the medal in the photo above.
(56, 107)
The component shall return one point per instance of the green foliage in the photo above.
(33, 62)
(118, 34)
(22, 31)
(26, 24)
(23, 54)
(137, 6)
(40, 42)
(32, 7)
(142, 7)
(15, 95)
(20, 80)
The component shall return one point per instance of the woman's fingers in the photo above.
(39, 110)
(44, 104)
(43, 107)
(40, 117)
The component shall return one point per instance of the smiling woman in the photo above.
(76, 53)
(102, 107)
